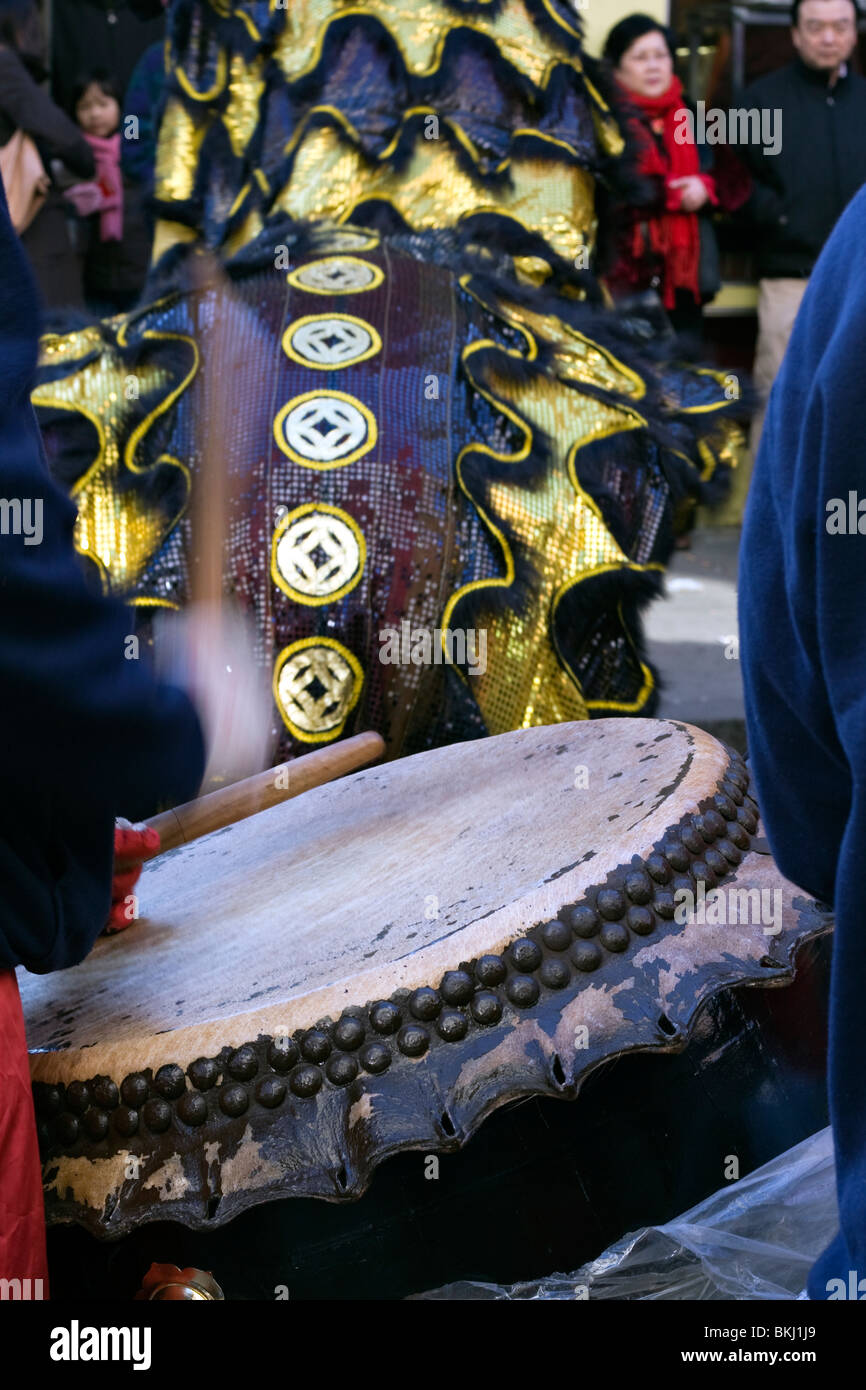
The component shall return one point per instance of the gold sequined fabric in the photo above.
(442, 113)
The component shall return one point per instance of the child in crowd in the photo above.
(117, 251)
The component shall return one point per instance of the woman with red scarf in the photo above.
(659, 243)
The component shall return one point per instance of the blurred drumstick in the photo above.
(211, 647)
(209, 504)
(221, 808)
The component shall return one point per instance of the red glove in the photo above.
(133, 846)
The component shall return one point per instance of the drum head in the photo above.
(382, 961)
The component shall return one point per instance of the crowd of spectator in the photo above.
(78, 148)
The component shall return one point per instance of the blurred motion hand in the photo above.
(693, 192)
(210, 650)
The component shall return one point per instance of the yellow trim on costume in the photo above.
(632, 420)
(251, 28)
(305, 643)
(720, 378)
(283, 443)
(365, 240)
(709, 458)
(298, 284)
(142, 428)
(144, 601)
(496, 582)
(167, 234)
(219, 82)
(512, 314)
(341, 119)
(309, 600)
(239, 199)
(465, 282)
(375, 341)
(630, 706)
(301, 128)
(623, 706)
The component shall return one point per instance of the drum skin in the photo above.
(285, 1015)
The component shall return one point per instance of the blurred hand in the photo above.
(133, 846)
(86, 198)
(210, 650)
(693, 192)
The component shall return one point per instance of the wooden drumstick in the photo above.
(221, 808)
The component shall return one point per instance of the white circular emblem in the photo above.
(331, 341)
(318, 554)
(337, 275)
(317, 683)
(325, 429)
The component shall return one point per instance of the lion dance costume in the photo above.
(433, 423)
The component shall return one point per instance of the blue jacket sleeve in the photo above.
(88, 734)
(802, 607)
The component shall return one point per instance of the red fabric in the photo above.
(22, 1217)
(133, 845)
(674, 238)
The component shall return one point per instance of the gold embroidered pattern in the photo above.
(318, 554)
(317, 683)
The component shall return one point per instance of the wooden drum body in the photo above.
(380, 964)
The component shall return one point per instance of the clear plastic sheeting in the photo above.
(753, 1239)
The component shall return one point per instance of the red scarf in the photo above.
(673, 235)
(106, 152)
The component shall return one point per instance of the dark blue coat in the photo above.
(85, 734)
(803, 647)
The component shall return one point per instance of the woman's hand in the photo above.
(693, 192)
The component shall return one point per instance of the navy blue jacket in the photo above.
(803, 647)
(85, 734)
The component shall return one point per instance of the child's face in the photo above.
(96, 113)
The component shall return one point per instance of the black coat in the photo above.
(25, 105)
(87, 734)
(801, 192)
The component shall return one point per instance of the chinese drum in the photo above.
(378, 966)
